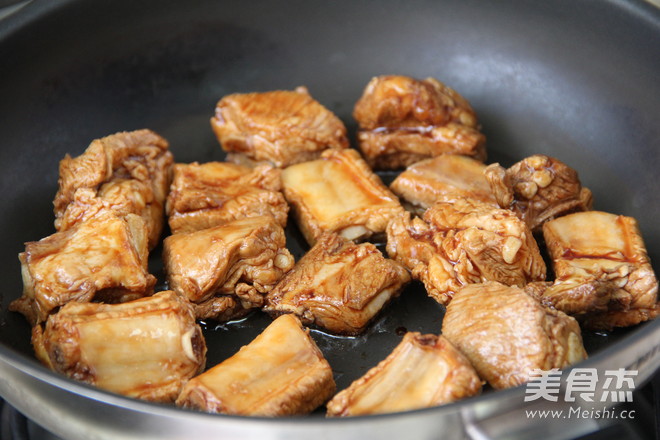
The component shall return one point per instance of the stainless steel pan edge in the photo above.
(76, 411)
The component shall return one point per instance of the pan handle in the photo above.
(560, 420)
(516, 424)
(508, 416)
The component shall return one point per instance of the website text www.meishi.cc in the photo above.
(616, 386)
(578, 412)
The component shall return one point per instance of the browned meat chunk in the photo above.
(465, 242)
(280, 127)
(147, 348)
(403, 120)
(619, 318)
(339, 193)
(127, 172)
(445, 178)
(422, 371)
(227, 270)
(103, 258)
(603, 273)
(538, 188)
(280, 373)
(338, 285)
(507, 334)
(210, 194)
(122, 196)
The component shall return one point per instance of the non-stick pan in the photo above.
(578, 80)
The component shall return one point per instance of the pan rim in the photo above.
(34, 11)
(31, 367)
(643, 10)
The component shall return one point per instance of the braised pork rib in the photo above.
(210, 194)
(339, 193)
(147, 348)
(103, 258)
(603, 273)
(507, 334)
(422, 371)
(445, 178)
(280, 373)
(227, 270)
(338, 285)
(538, 188)
(280, 127)
(464, 242)
(127, 172)
(403, 120)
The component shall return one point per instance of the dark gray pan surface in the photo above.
(578, 80)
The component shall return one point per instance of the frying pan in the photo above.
(578, 80)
